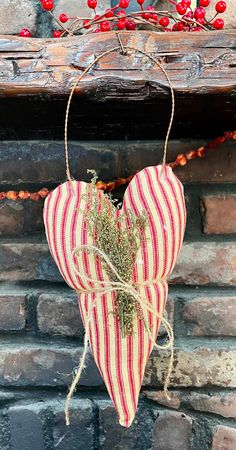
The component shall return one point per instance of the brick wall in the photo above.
(18, 14)
(41, 330)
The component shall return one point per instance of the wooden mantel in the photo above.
(122, 96)
(197, 63)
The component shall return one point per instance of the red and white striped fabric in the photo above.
(159, 194)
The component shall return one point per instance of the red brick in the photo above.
(172, 431)
(59, 315)
(149, 424)
(80, 434)
(43, 161)
(210, 316)
(12, 312)
(194, 367)
(219, 214)
(30, 428)
(198, 263)
(224, 438)
(11, 219)
(217, 168)
(222, 404)
(206, 263)
(20, 217)
(21, 261)
(169, 315)
(36, 364)
(26, 427)
(160, 398)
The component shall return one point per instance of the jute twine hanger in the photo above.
(120, 285)
(123, 50)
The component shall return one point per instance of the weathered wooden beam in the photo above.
(197, 63)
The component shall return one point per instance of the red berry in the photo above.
(189, 15)
(48, 4)
(130, 25)
(105, 26)
(140, 2)
(63, 18)
(86, 24)
(181, 8)
(57, 34)
(180, 26)
(220, 7)
(109, 13)
(154, 17)
(92, 4)
(147, 15)
(201, 20)
(199, 13)
(121, 24)
(175, 28)
(124, 3)
(205, 3)
(25, 32)
(187, 3)
(121, 13)
(12, 195)
(218, 24)
(196, 29)
(164, 21)
(34, 196)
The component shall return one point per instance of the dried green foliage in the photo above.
(118, 235)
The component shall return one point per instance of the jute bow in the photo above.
(104, 287)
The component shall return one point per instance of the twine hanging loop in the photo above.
(124, 49)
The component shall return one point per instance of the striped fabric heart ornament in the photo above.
(156, 194)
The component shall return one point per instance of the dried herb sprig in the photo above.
(118, 235)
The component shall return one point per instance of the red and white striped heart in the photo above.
(121, 361)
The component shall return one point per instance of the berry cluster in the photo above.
(181, 17)
(25, 195)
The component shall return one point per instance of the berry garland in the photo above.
(182, 17)
(181, 160)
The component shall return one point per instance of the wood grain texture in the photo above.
(200, 64)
